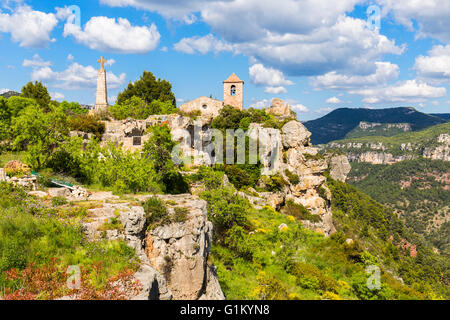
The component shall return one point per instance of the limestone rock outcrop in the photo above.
(295, 135)
(291, 150)
(173, 256)
(278, 108)
(339, 167)
(442, 151)
(179, 251)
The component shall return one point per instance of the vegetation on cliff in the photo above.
(40, 240)
(266, 254)
(416, 189)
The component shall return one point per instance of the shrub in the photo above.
(309, 277)
(72, 108)
(158, 153)
(112, 224)
(45, 179)
(87, 123)
(237, 240)
(226, 209)
(274, 182)
(126, 172)
(193, 114)
(180, 214)
(155, 210)
(15, 168)
(299, 211)
(293, 178)
(210, 178)
(270, 288)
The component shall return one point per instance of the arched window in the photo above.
(233, 90)
(204, 107)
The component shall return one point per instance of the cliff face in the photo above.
(173, 256)
(180, 251)
(390, 151)
(295, 154)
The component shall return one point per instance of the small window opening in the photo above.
(137, 141)
(233, 90)
(204, 107)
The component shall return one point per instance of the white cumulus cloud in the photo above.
(75, 77)
(57, 96)
(384, 73)
(299, 107)
(109, 35)
(405, 91)
(36, 61)
(431, 16)
(31, 29)
(274, 80)
(334, 100)
(435, 66)
(275, 90)
(202, 45)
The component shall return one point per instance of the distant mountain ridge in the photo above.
(445, 116)
(338, 123)
(432, 143)
(8, 94)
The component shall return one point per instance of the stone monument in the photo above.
(101, 102)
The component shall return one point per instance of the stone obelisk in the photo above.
(101, 103)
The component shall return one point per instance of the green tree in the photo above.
(148, 88)
(16, 104)
(137, 108)
(38, 92)
(87, 123)
(5, 118)
(158, 149)
(72, 108)
(40, 133)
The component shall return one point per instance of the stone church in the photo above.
(233, 94)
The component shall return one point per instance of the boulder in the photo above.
(213, 290)
(58, 192)
(38, 194)
(133, 220)
(279, 108)
(295, 134)
(101, 196)
(339, 167)
(154, 286)
(270, 147)
(179, 251)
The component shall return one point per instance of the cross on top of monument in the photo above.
(102, 61)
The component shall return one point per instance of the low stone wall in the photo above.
(26, 182)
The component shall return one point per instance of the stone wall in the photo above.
(209, 108)
(236, 100)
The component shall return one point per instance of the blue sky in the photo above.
(316, 54)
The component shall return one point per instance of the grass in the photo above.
(34, 233)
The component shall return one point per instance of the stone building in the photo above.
(209, 107)
(233, 92)
(233, 89)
